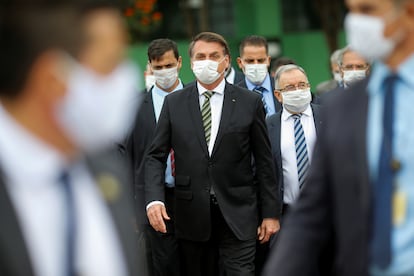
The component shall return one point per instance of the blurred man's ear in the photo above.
(239, 62)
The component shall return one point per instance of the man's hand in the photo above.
(156, 215)
(269, 227)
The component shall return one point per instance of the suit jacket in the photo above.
(14, 256)
(334, 206)
(242, 133)
(136, 146)
(274, 127)
(277, 104)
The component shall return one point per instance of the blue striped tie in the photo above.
(302, 158)
(261, 90)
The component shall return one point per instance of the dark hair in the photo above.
(209, 37)
(275, 64)
(159, 47)
(27, 31)
(253, 40)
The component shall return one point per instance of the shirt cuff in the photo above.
(155, 202)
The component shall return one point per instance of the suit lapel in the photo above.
(149, 111)
(11, 238)
(194, 108)
(360, 133)
(228, 106)
(276, 132)
(112, 184)
(316, 118)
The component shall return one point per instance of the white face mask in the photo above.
(255, 73)
(166, 78)
(296, 101)
(337, 77)
(206, 70)
(353, 76)
(149, 81)
(365, 35)
(98, 110)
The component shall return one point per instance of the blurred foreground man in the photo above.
(360, 195)
(63, 212)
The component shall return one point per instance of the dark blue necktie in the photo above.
(383, 186)
(261, 90)
(71, 228)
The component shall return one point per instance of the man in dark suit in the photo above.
(63, 213)
(290, 162)
(214, 128)
(233, 76)
(165, 63)
(360, 196)
(254, 61)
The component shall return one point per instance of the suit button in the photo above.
(210, 164)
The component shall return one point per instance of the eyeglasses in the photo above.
(350, 67)
(291, 87)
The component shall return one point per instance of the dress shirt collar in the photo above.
(218, 90)
(265, 84)
(286, 115)
(381, 71)
(23, 156)
(162, 93)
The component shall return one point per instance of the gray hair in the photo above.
(286, 68)
(341, 56)
(336, 56)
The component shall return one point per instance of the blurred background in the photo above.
(306, 30)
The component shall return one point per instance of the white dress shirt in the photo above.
(216, 103)
(31, 169)
(288, 150)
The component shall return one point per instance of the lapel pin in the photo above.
(109, 186)
(233, 100)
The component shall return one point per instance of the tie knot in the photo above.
(296, 116)
(260, 89)
(208, 94)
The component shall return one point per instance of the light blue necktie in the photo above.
(302, 158)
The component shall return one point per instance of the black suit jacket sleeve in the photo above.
(265, 171)
(155, 161)
(307, 227)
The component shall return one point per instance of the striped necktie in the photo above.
(206, 115)
(261, 90)
(302, 158)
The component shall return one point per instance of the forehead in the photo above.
(167, 57)
(254, 51)
(205, 48)
(370, 7)
(351, 57)
(292, 77)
